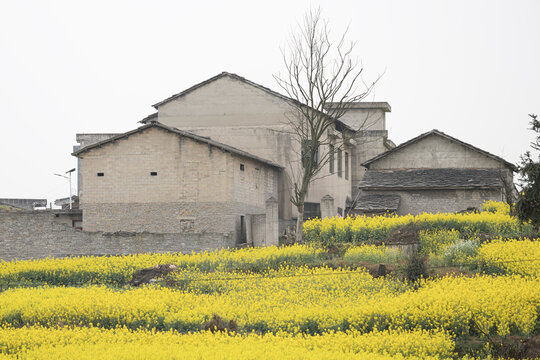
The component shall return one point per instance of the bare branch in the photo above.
(322, 78)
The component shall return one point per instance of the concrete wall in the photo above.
(198, 188)
(326, 183)
(28, 204)
(436, 152)
(35, 234)
(368, 145)
(440, 201)
(258, 228)
(365, 119)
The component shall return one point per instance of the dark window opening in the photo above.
(153, 173)
(346, 166)
(242, 168)
(331, 159)
(307, 148)
(243, 232)
(312, 210)
(339, 162)
(340, 211)
(100, 174)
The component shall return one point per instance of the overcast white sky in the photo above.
(468, 68)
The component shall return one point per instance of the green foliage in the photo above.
(496, 207)
(434, 242)
(528, 204)
(461, 252)
(373, 254)
(376, 230)
(416, 268)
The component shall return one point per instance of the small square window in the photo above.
(242, 168)
(153, 173)
(100, 174)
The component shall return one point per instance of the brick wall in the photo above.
(35, 234)
(196, 188)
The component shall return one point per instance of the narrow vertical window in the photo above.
(346, 166)
(331, 159)
(339, 162)
(307, 157)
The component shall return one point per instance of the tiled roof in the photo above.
(150, 117)
(431, 179)
(378, 203)
(439, 133)
(187, 134)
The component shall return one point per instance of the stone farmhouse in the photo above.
(220, 156)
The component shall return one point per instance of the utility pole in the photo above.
(68, 178)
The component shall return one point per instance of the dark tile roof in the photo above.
(187, 134)
(439, 133)
(246, 81)
(431, 179)
(150, 117)
(377, 203)
(383, 105)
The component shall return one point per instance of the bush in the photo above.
(461, 252)
(416, 268)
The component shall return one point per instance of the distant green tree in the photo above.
(528, 203)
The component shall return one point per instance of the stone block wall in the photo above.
(439, 201)
(35, 234)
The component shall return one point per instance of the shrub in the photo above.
(416, 268)
(461, 252)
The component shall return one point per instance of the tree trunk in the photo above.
(300, 225)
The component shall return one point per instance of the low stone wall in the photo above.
(35, 234)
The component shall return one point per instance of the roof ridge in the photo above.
(442, 134)
(252, 83)
(188, 134)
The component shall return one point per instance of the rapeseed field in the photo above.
(290, 302)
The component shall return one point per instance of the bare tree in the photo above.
(322, 78)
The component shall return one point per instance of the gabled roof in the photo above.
(441, 134)
(150, 117)
(187, 134)
(244, 80)
(431, 179)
